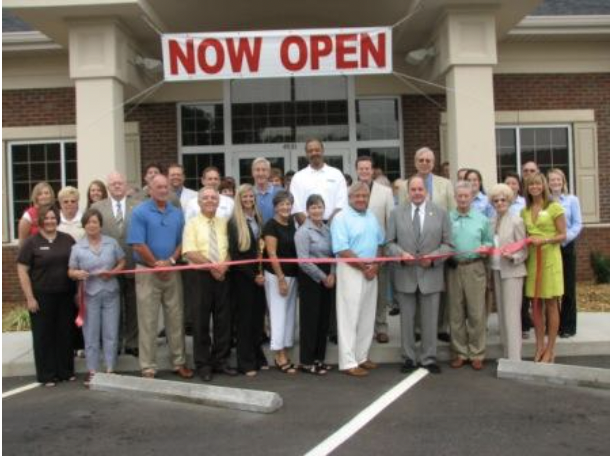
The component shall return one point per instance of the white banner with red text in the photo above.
(274, 54)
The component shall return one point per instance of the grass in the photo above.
(16, 319)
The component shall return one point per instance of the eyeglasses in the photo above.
(424, 160)
(69, 201)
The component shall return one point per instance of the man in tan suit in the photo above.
(116, 213)
(381, 204)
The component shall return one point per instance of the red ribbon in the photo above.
(509, 248)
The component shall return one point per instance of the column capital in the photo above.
(98, 49)
(465, 36)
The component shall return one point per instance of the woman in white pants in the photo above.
(280, 279)
(508, 269)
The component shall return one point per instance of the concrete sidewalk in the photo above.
(593, 338)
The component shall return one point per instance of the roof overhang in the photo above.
(561, 28)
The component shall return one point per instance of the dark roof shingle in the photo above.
(572, 8)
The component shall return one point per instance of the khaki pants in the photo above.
(356, 303)
(467, 310)
(508, 300)
(153, 294)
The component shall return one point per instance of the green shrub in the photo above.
(17, 319)
(601, 267)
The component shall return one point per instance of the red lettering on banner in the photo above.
(220, 56)
(367, 48)
(346, 45)
(243, 49)
(321, 46)
(177, 54)
(285, 57)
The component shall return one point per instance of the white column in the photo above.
(465, 43)
(471, 120)
(100, 130)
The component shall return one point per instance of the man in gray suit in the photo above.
(418, 228)
(116, 213)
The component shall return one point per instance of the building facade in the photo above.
(487, 85)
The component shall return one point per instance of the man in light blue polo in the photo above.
(156, 236)
(263, 189)
(356, 233)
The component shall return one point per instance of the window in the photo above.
(289, 110)
(549, 147)
(386, 158)
(202, 124)
(195, 163)
(33, 162)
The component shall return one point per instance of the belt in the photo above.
(468, 261)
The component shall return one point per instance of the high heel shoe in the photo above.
(539, 355)
(548, 358)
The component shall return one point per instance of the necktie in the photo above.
(416, 224)
(119, 215)
(213, 247)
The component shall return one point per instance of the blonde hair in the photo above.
(501, 190)
(243, 232)
(67, 192)
(538, 178)
(560, 173)
(37, 190)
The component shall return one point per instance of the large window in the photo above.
(202, 125)
(289, 110)
(548, 146)
(33, 162)
(194, 164)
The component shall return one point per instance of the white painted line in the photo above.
(21, 389)
(366, 415)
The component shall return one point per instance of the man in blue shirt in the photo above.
(156, 236)
(356, 234)
(264, 191)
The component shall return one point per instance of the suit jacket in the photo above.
(435, 238)
(381, 204)
(249, 270)
(110, 227)
(511, 229)
(442, 193)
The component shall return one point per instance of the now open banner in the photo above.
(272, 54)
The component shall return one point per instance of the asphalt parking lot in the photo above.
(458, 412)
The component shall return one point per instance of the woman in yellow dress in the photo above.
(546, 227)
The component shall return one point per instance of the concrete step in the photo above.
(593, 338)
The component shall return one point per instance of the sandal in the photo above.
(50, 384)
(148, 374)
(286, 368)
(313, 369)
(251, 373)
(88, 379)
(323, 366)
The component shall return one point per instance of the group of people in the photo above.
(447, 244)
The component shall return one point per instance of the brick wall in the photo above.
(35, 107)
(592, 239)
(570, 91)
(11, 291)
(158, 132)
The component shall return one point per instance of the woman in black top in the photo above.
(280, 279)
(244, 234)
(42, 267)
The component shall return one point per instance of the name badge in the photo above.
(45, 247)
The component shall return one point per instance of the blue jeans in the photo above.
(102, 325)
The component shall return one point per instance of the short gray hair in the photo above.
(463, 184)
(204, 188)
(356, 187)
(422, 151)
(262, 160)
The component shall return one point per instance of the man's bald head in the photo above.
(117, 185)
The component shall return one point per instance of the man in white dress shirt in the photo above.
(318, 178)
(210, 177)
(175, 174)
(381, 204)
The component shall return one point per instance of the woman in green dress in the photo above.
(546, 227)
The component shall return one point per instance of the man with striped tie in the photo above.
(206, 241)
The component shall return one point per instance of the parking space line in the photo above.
(21, 389)
(366, 415)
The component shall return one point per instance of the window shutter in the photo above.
(133, 171)
(587, 180)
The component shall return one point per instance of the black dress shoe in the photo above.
(205, 374)
(395, 311)
(225, 369)
(333, 339)
(408, 367)
(132, 351)
(433, 368)
(443, 337)
(417, 337)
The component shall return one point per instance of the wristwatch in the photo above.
(172, 261)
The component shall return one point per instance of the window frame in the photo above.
(518, 127)
(9, 156)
